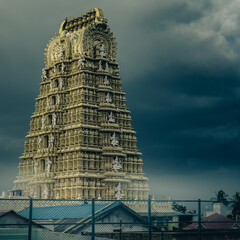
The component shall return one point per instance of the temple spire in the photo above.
(81, 143)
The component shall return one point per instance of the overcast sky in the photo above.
(179, 64)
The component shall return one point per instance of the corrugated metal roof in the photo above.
(111, 206)
(107, 209)
(63, 211)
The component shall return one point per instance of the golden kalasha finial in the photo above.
(89, 15)
(84, 19)
(75, 23)
(80, 24)
(71, 26)
(93, 14)
(80, 20)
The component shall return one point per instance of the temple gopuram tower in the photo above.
(81, 143)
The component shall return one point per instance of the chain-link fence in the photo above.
(117, 219)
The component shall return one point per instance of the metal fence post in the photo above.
(30, 220)
(199, 220)
(93, 219)
(149, 218)
(120, 230)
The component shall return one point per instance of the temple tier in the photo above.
(81, 143)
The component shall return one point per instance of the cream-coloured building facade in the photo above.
(81, 143)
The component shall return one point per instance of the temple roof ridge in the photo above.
(93, 15)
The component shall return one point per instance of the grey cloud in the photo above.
(193, 42)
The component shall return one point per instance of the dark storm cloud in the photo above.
(179, 63)
(187, 90)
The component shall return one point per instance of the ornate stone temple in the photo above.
(81, 143)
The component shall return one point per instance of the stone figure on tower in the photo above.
(116, 164)
(49, 164)
(114, 140)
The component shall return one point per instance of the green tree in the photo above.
(236, 206)
(221, 197)
(179, 208)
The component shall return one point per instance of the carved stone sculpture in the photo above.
(103, 51)
(39, 142)
(106, 81)
(111, 118)
(35, 166)
(60, 83)
(106, 68)
(48, 102)
(54, 119)
(60, 53)
(100, 68)
(58, 99)
(43, 121)
(48, 165)
(118, 192)
(44, 74)
(45, 192)
(116, 164)
(108, 98)
(51, 141)
(81, 62)
(114, 140)
(62, 67)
